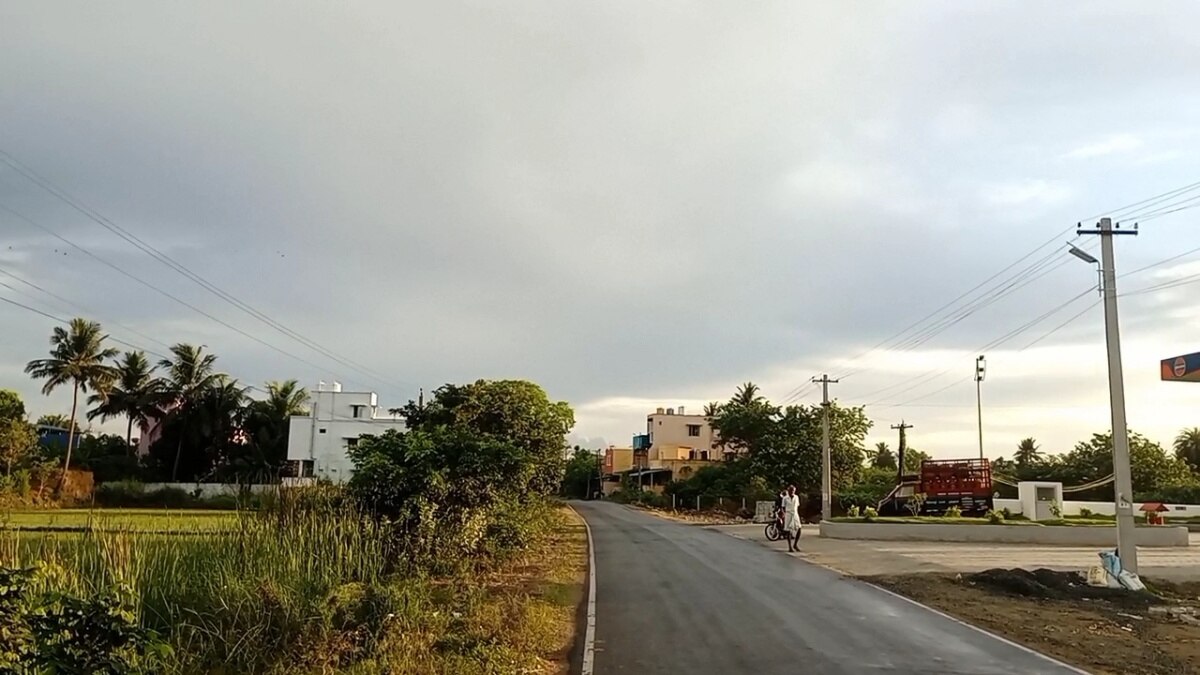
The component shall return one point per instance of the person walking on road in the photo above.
(791, 519)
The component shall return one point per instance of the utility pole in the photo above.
(826, 460)
(980, 371)
(902, 427)
(1126, 547)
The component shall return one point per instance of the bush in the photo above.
(1085, 513)
(1004, 513)
(995, 517)
(953, 512)
(852, 512)
(870, 514)
(133, 494)
(48, 631)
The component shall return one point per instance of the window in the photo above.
(351, 442)
(693, 429)
(356, 411)
(321, 430)
(306, 468)
(691, 454)
(704, 455)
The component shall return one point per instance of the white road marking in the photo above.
(589, 633)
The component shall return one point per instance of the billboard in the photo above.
(1184, 368)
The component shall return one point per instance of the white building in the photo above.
(317, 443)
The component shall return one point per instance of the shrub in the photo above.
(870, 514)
(1085, 513)
(995, 517)
(852, 512)
(953, 512)
(1056, 509)
(1005, 513)
(49, 631)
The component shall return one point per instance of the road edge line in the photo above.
(971, 626)
(589, 631)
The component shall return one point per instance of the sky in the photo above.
(633, 204)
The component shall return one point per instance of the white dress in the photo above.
(791, 514)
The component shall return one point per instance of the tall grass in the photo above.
(232, 601)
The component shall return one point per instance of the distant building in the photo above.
(674, 446)
(318, 442)
(55, 438)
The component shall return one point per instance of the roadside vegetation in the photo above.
(778, 445)
(445, 553)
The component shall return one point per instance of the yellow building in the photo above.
(674, 447)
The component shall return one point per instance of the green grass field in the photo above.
(135, 520)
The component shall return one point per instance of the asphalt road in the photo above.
(683, 599)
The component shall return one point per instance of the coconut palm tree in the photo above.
(190, 373)
(1187, 447)
(77, 356)
(746, 395)
(136, 395)
(1028, 453)
(266, 425)
(881, 457)
(287, 398)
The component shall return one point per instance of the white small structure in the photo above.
(1038, 499)
(318, 443)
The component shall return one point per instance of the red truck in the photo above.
(965, 483)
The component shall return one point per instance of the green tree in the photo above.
(1151, 467)
(1187, 447)
(77, 356)
(17, 442)
(791, 449)
(11, 405)
(190, 374)
(137, 395)
(58, 420)
(513, 410)
(581, 479)
(1028, 453)
(444, 487)
(881, 457)
(746, 422)
(913, 459)
(266, 424)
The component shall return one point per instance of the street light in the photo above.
(1123, 492)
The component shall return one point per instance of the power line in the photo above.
(63, 320)
(159, 290)
(990, 345)
(77, 307)
(171, 263)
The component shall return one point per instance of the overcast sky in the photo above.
(634, 204)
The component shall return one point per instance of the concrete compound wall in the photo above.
(1070, 508)
(211, 489)
(1157, 536)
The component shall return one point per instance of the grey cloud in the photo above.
(624, 199)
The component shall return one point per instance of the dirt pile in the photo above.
(1055, 585)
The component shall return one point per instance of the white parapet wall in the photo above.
(1072, 508)
(1100, 536)
(211, 489)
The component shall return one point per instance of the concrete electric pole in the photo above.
(1126, 547)
(902, 427)
(980, 371)
(826, 459)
